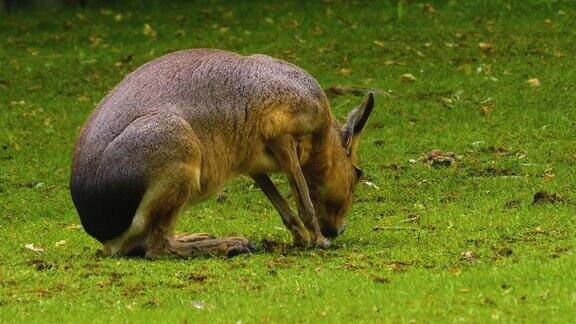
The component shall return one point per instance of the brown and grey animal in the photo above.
(176, 129)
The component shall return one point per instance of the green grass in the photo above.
(403, 257)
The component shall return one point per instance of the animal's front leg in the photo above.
(290, 220)
(284, 150)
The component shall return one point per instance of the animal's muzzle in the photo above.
(332, 232)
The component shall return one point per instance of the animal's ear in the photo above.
(356, 121)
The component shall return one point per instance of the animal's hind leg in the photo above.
(229, 247)
(185, 238)
(171, 194)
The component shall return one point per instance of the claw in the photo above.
(323, 242)
(238, 249)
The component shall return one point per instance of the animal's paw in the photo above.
(323, 242)
(239, 245)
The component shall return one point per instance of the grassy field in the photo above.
(488, 237)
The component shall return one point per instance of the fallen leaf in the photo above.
(32, 51)
(380, 279)
(486, 110)
(372, 185)
(468, 256)
(534, 82)
(148, 31)
(465, 68)
(485, 46)
(397, 267)
(548, 176)
(456, 271)
(32, 247)
(407, 78)
(428, 8)
(292, 23)
(345, 72)
(61, 242)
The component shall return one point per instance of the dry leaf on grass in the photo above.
(32, 247)
(428, 8)
(61, 242)
(371, 184)
(407, 78)
(198, 304)
(345, 72)
(469, 256)
(148, 31)
(380, 279)
(485, 46)
(534, 82)
(486, 110)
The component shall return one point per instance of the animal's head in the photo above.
(333, 194)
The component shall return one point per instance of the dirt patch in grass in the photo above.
(502, 252)
(339, 90)
(542, 197)
(494, 171)
(41, 265)
(437, 158)
(271, 246)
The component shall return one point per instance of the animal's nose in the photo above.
(330, 232)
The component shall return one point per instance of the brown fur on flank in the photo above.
(176, 129)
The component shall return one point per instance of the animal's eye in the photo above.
(358, 172)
